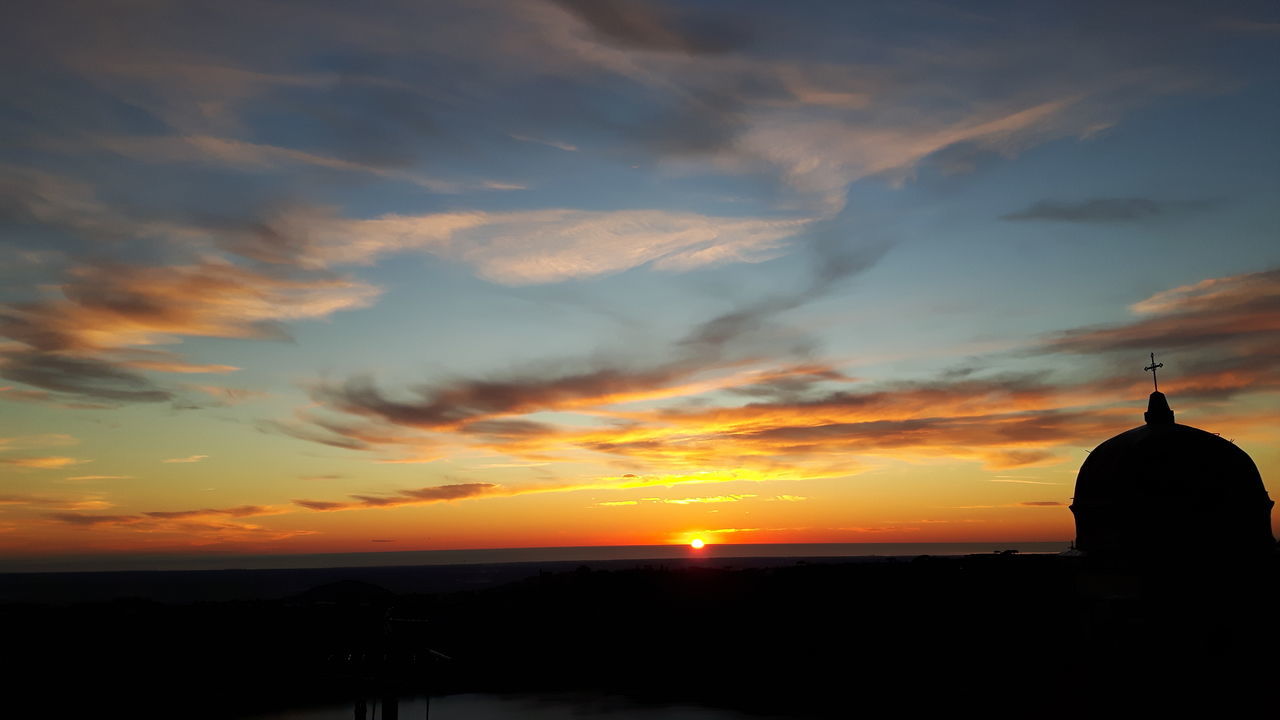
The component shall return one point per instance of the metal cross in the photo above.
(1153, 367)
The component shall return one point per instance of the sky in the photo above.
(302, 277)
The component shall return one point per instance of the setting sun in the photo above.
(697, 544)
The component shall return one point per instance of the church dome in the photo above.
(1164, 487)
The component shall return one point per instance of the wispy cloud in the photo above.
(192, 527)
(1095, 210)
(710, 499)
(707, 499)
(420, 496)
(46, 462)
(188, 459)
(91, 502)
(28, 442)
(1021, 481)
(257, 156)
(550, 143)
(531, 247)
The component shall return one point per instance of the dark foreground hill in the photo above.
(1038, 636)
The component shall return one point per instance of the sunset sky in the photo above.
(292, 277)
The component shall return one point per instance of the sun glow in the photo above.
(697, 543)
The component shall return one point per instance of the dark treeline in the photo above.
(1042, 636)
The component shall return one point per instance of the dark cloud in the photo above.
(215, 522)
(313, 434)
(241, 511)
(92, 520)
(451, 405)
(1042, 503)
(1096, 210)
(648, 25)
(506, 428)
(79, 376)
(794, 384)
(322, 505)
(834, 261)
(420, 496)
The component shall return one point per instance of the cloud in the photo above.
(256, 156)
(711, 499)
(420, 496)
(1043, 503)
(241, 511)
(700, 92)
(550, 143)
(49, 462)
(188, 459)
(398, 89)
(468, 402)
(805, 420)
(59, 503)
(194, 527)
(79, 376)
(230, 395)
(703, 500)
(650, 26)
(84, 343)
(79, 478)
(824, 120)
(478, 407)
(28, 442)
(1095, 210)
(1002, 423)
(1215, 294)
(522, 248)
(94, 520)
(111, 306)
(1225, 331)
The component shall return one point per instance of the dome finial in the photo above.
(1153, 367)
(1158, 410)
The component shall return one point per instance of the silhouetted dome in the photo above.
(1170, 488)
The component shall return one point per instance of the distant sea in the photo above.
(192, 561)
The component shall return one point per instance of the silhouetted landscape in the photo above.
(818, 637)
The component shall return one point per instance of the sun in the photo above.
(697, 544)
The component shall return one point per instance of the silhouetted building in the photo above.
(1164, 489)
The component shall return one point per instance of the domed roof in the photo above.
(1163, 484)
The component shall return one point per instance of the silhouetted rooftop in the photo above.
(1170, 488)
